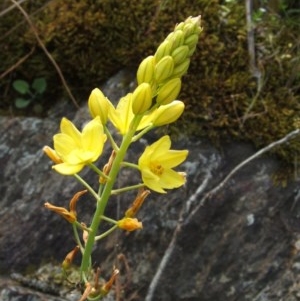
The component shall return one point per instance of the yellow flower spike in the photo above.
(169, 91)
(137, 203)
(141, 99)
(52, 155)
(69, 216)
(156, 165)
(70, 258)
(163, 50)
(168, 113)
(164, 68)
(145, 73)
(129, 224)
(99, 105)
(78, 149)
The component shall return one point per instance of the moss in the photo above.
(91, 40)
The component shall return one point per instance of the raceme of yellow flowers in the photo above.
(152, 104)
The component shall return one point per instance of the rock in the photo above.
(242, 244)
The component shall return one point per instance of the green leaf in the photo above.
(22, 103)
(21, 86)
(39, 85)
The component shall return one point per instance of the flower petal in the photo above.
(63, 143)
(68, 128)
(93, 138)
(171, 179)
(152, 181)
(67, 169)
(173, 158)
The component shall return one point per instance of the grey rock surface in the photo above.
(242, 244)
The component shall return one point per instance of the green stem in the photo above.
(87, 186)
(128, 164)
(77, 237)
(97, 170)
(101, 203)
(113, 228)
(137, 186)
(111, 139)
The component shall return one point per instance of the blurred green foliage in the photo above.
(90, 40)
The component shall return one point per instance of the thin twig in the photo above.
(171, 247)
(18, 63)
(262, 151)
(41, 44)
(7, 10)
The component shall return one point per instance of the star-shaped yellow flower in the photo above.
(78, 149)
(156, 165)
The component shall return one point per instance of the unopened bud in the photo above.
(177, 37)
(141, 98)
(164, 68)
(168, 113)
(180, 54)
(191, 41)
(99, 105)
(145, 73)
(182, 68)
(169, 91)
(163, 50)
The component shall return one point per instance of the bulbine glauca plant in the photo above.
(152, 104)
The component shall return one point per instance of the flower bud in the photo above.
(182, 68)
(169, 91)
(180, 54)
(129, 224)
(177, 39)
(145, 71)
(179, 26)
(164, 68)
(99, 105)
(163, 50)
(141, 98)
(191, 41)
(168, 113)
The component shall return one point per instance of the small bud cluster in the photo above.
(163, 70)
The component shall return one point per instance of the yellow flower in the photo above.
(122, 116)
(78, 149)
(129, 224)
(156, 165)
